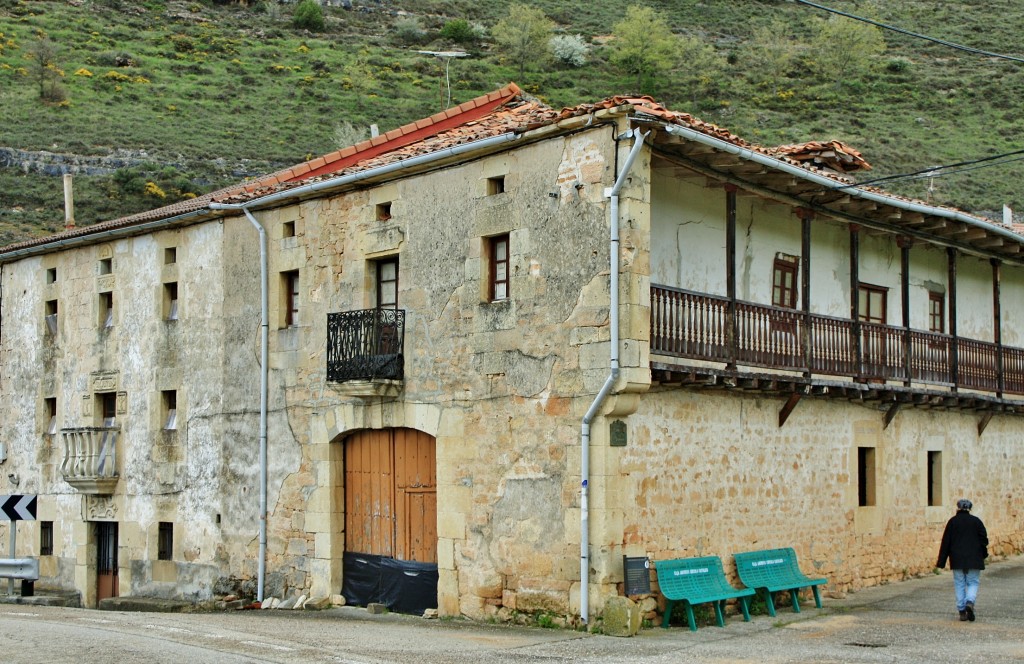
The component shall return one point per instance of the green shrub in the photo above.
(309, 15)
(460, 31)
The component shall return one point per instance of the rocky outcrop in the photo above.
(57, 163)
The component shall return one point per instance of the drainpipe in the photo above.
(613, 314)
(264, 371)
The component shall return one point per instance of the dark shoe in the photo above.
(963, 616)
(969, 611)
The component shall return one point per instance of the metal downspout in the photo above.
(613, 315)
(264, 371)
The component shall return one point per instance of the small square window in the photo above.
(496, 185)
(51, 275)
(46, 538)
(171, 301)
(165, 541)
(170, 255)
(106, 265)
(51, 316)
(169, 407)
(383, 211)
(50, 415)
(106, 310)
(288, 229)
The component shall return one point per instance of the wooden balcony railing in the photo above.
(701, 326)
(90, 458)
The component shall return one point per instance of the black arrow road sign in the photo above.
(18, 508)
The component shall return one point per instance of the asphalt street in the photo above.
(909, 621)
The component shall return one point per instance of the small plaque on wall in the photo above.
(617, 433)
(636, 575)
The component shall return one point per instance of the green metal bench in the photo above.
(696, 581)
(775, 570)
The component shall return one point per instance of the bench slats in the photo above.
(775, 570)
(696, 581)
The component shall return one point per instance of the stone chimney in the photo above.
(69, 202)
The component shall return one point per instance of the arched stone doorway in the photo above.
(390, 519)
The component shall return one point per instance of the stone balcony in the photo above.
(90, 459)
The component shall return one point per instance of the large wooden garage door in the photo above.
(391, 495)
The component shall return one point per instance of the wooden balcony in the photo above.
(705, 327)
(90, 459)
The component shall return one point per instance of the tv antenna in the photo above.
(447, 56)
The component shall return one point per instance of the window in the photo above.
(106, 265)
(51, 275)
(50, 415)
(498, 264)
(171, 301)
(383, 211)
(784, 273)
(46, 538)
(387, 283)
(934, 478)
(936, 312)
(170, 255)
(288, 229)
(169, 409)
(496, 185)
(865, 476)
(872, 303)
(290, 289)
(165, 541)
(107, 405)
(106, 310)
(51, 316)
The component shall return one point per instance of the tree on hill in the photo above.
(845, 50)
(644, 45)
(524, 36)
(771, 54)
(309, 15)
(44, 70)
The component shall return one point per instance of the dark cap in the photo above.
(964, 504)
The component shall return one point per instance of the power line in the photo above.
(947, 169)
(936, 40)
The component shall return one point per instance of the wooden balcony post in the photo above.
(954, 343)
(858, 352)
(806, 341)
(997, 326)
(904, 244)
(732, 330)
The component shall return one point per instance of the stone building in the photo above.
(488, 354)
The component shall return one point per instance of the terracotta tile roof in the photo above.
(502, 111)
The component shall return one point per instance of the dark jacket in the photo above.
(964, 542)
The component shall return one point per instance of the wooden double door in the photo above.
(391, 494)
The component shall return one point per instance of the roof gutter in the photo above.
(829, 183)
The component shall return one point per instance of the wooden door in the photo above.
(106, 560)
(391, 495)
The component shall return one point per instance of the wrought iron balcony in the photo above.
(90, 458)
(365, 345)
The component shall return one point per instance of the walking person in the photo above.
(965, 545)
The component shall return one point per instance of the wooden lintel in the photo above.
(723, 160)
(983, 422)
(973, 233)
(890, 414)
(787, 408)
(990, 243)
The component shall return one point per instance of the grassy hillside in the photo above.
(208, 93)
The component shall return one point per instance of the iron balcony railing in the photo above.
(365, 345)
(701, 326)
(90, 458)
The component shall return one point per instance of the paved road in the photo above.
(912, 621)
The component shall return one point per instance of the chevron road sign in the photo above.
(17, 508)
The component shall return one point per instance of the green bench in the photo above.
(696, 581)
(775, 570)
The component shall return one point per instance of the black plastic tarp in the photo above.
(404, 586)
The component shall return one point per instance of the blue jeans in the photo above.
(965, 584)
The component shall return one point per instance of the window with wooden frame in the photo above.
(106, 308)
(387, 283)
(106, 408)
(46, 538)
(165, 541)
(171, 301)
(872, 303)
(498, 268)
(936, 312)
(290, 301)
(785, 270)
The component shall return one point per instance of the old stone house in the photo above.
(484, 356)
